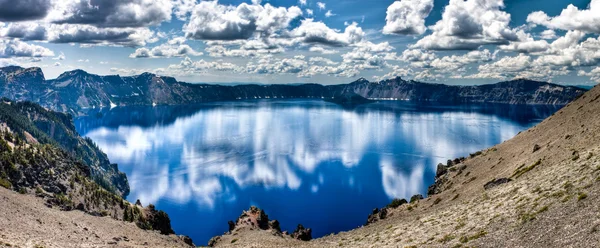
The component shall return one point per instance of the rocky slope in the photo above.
(75, 91)
(57, 129)
(538, 189)
(41, 156)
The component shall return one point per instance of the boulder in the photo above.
(301, 233)
(441, 170)
(496, 182)
(231, 225)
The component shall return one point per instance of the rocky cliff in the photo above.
(30, 120)
(75, 91)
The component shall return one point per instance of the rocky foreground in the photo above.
(538, 189)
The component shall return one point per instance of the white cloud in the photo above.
(61, 56)
(548, 34)
(189, 67)
(321, 5)
(329, 14)
(417, 55)
(213, 21)
(407, 17)
(16, 48)
(302, 2)
(594, 74)
(270, 65)
(466, 25)
(571, 18)
(309, 12)
(396, 71)
(173, 48)
(323, 50)
(182, 8)
(57, 64)
(310, 31)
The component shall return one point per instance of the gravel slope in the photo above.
(26, 222)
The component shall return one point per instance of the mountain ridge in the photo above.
(77, 91)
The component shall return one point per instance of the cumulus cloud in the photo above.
(76, 33)
(16, 48)
(181, 8)
(329, 14)
(458, 63)
(24, 31)
(189, 67)
(466, 25)
(213, 21)
(571, 18)
(396, 71)
(310, 31)
(417, 55)
(548, 34)
(323, 50)
(173, 48)
(521, 66)
(270, 65)
(23, 10)
(101, 36)
(112, 13)
(407, 17)
(594, 74)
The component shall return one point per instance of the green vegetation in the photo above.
(522, 170)
(5, 183)
(465, 239)
(472, 155)
(397, 203)
(581, 196)
(57, 130)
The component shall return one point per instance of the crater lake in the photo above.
(304, 162)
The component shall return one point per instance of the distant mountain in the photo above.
(75, 91)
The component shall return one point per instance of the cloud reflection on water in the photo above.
(195, 158)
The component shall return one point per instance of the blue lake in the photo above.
(302, 161)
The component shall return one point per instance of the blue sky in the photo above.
(291, 41)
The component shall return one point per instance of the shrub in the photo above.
(5, 183)
(581, 196)
(397, 203)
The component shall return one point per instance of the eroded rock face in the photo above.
(301, 233)
(376, 215)
(255, 219)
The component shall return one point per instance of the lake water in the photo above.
(302, 161)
